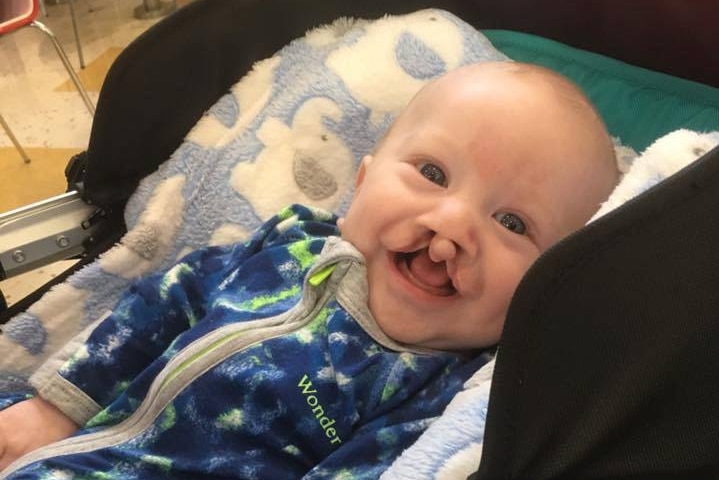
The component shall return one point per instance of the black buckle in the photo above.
(75, 172)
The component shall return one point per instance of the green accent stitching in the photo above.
(264, 300)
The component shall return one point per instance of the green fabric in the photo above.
(638, 105)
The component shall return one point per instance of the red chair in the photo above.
(16, 14)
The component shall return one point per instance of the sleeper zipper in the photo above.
(182, 369)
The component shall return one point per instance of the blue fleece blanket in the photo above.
(290, 131)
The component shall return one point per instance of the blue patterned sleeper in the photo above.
(251, 361)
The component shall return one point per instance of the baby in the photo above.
(311, 351)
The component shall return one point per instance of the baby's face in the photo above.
(480, 174)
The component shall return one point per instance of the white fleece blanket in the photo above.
(292, 130)
(451, 448)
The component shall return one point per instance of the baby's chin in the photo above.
(409, 332)
(412, 333)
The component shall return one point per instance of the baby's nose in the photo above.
(442, 249)
(456, 230)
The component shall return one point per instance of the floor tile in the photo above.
(93, 75)
(23, 183)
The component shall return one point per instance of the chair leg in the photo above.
(67, 65)
(14, 141)
(154, 9)
(77, 34)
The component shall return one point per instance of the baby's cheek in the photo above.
(351, 230)
(512, 279)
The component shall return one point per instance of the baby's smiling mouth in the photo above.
(420, 270)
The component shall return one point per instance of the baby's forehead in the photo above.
(497, 77)
(509, 96)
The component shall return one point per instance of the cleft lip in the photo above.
(403, 261)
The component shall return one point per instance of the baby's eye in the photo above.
(511, 222)
(433, 173)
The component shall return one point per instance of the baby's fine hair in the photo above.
(565, 88)
(571, 94)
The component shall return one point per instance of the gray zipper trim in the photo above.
(347, 283)
(175, 376)
(50, 385)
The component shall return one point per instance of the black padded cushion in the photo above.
(607, 364)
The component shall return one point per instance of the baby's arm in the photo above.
(153, 313)
(101, 362)
(28, 425)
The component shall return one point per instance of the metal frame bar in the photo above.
(75, 29)
(44, 232)
(73, 16)
(66, 63)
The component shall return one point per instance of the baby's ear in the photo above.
(366, 160)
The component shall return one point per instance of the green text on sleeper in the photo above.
(317, 410)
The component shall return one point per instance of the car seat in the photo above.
(632, 294)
